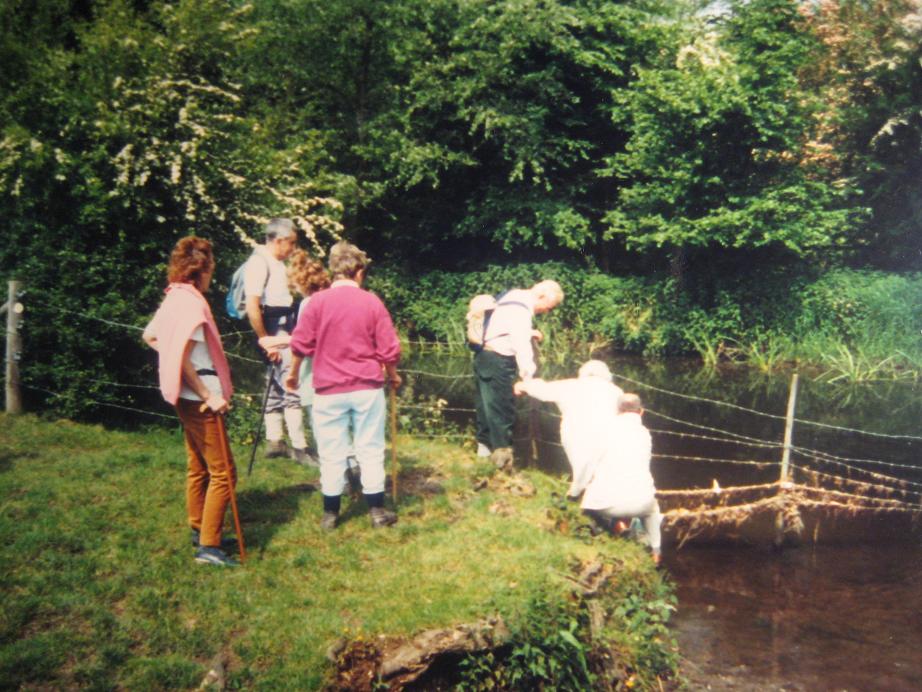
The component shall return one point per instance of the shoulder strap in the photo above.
(500, 303)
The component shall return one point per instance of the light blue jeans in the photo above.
(331, 417)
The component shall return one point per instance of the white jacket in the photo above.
(588, 407)
(622, 481)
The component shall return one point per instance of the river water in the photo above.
(839, 614)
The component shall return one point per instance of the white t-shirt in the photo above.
(201, 360)
(276, 292)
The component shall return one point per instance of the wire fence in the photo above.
(818, 478)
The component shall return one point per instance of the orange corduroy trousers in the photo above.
(209, 473)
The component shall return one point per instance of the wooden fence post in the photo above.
(785, 477)
(788, 431)
(13, 310)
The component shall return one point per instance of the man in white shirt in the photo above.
(506, 356)
(588, 406)
(271, 312)
(622, 485)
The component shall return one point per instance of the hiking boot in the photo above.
(276, 449)
(328, 521)
(502, 458)
(304, 458)
(482, 450)
(208, 555)
(226, 543)
(382, 517)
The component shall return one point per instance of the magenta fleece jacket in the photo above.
(349, 334)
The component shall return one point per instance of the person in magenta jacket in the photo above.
(350, 336)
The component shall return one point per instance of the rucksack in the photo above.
(479, 312)
(235, 303)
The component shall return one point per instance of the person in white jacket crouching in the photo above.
(622, 485)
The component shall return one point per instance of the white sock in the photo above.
(274, 430)
(294, 421)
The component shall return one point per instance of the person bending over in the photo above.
(588, 407)
(507, 354)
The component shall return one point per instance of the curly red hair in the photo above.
(306, 274)
(190, 259)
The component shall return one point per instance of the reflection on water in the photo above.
(823, 618)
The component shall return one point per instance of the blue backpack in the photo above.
(235, 303)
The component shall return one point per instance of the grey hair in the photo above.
(346, 260)
(595, 368)
(630, 403)
(279, 227)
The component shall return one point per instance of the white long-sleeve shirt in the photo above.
(622, 480)
(588, 408)
(509, 330)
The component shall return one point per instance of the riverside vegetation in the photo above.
(841, 325)
(100, 590)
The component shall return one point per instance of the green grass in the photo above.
(100, 589)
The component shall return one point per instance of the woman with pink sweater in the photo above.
(195, 378)
(350, 336)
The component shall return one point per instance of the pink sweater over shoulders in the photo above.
(181, 312)
(349, 334)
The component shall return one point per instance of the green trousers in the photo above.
(495, 403)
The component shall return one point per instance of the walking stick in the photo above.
(533, 412)
(259, 428)
(394, 443)
(225, 450)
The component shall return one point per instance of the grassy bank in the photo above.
(841, 324)
(100, 590)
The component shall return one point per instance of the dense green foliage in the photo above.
(100, 589)
(629, 137)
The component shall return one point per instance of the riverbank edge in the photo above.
(105, 593)
(842, 324)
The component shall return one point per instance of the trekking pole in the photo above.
(225, 450)
(393, 395)
(259, 427)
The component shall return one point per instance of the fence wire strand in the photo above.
(884, 483)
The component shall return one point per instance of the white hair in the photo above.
(595, 368)
(279, 228)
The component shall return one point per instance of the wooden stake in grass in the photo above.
(225, 450)
(393, 395)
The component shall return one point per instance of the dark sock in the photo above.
(374, 499)
(331, 503)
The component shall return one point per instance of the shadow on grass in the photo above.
(7, 457)
(263, 512)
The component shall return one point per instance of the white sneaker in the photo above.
(482, 450)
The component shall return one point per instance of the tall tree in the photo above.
(717, 144)
(869, 77)
(132, 134)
